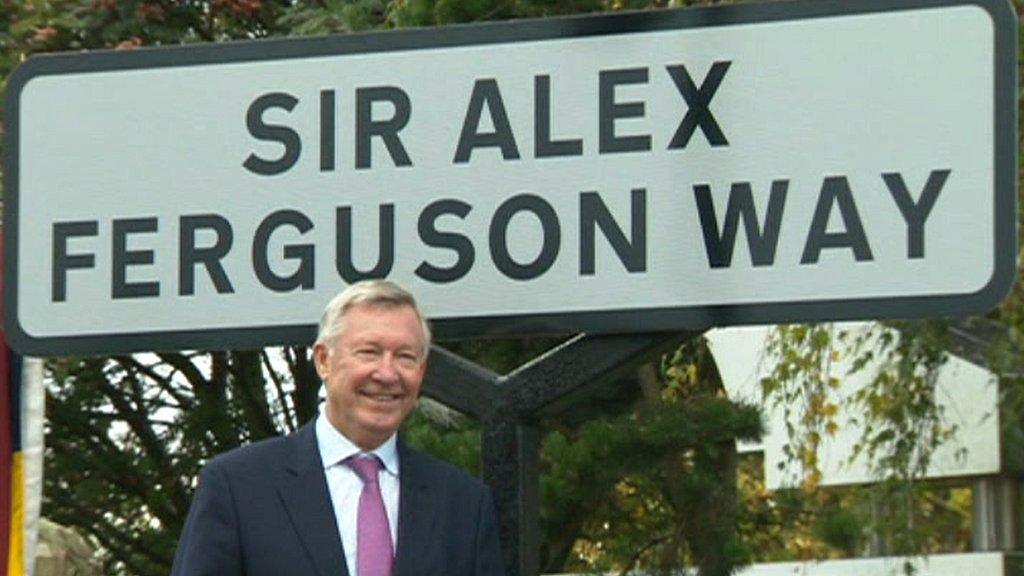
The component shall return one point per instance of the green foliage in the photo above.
(455, 439)
(802, 383)
(841, 529)
(899, 416)
(652, 488)
(461, 11)
(1005, 352)
(333, 17)
(849, 522)
(127, 435)
(902, 421)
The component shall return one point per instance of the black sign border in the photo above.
(614, 321)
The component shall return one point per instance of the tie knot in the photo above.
(366, 467)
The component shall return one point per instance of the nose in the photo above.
(387, 369)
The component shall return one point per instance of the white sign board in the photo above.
(967, 394)
(647, 171)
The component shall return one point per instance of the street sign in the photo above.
(645, 171)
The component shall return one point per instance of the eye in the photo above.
(366, 353)
(407, 359)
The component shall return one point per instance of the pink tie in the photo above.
(374, 553)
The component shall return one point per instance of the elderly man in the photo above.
(344, 496)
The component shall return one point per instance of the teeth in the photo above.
(381, 397)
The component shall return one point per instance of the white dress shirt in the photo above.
(345, 486)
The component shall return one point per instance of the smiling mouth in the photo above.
(382, 397)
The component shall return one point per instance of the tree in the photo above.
(126, 437)
(654, 486)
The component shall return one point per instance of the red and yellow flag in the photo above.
(21, 414)
(12, 478)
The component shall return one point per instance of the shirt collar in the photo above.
(335, 447)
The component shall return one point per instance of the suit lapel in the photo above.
(304, 493)
(416, 512)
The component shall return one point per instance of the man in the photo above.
(314, 503)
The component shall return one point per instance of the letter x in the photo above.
(698, 99)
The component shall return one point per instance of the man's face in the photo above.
(372, 372)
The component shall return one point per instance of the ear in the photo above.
(320, 354)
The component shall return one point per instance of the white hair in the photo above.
(382, 293)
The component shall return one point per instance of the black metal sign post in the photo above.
(512, 407)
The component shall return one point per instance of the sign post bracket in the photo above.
(512, 408)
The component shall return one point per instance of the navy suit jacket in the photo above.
(265, 510)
